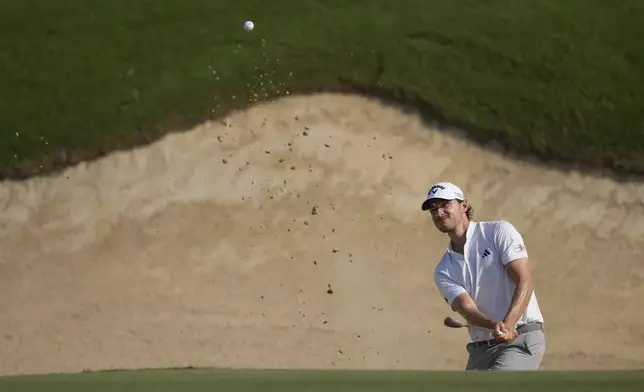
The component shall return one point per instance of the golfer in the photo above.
(485, 276)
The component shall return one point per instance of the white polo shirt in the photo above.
(489, 247)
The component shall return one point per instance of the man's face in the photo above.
(447, 214)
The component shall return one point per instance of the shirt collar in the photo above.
(468, 236)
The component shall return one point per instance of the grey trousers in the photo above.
(523, 353)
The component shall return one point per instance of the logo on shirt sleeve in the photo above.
(520, 248)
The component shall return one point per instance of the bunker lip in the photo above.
(616, 169)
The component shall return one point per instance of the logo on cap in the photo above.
(435, 188)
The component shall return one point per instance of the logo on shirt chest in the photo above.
(486, 253)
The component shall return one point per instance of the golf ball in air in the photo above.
(248, 25)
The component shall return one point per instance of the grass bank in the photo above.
(557, 79)
(337, 381)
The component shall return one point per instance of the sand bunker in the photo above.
(290, 235)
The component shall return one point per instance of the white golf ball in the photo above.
(248, 25)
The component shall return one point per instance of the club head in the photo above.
(451, 322)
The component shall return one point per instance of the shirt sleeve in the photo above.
(510, 243)
(447, 286)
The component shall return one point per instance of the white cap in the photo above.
(443, 190)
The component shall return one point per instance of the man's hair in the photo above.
(469, 212)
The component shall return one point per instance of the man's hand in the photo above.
(508, 333)
(500, 329)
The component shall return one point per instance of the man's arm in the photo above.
(466, 307)
(514, 257)
(519, 272)
(460, 301)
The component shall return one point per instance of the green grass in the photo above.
(337, 381)
(559, 79)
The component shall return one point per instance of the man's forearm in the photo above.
(476, 318)
(520, 300)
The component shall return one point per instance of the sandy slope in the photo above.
(167, 256)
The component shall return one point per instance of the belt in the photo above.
(525, 328)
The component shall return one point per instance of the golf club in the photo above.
(451, 322)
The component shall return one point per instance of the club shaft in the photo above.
(458, 324)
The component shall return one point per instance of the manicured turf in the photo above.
(336, 381)
(560, 78)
